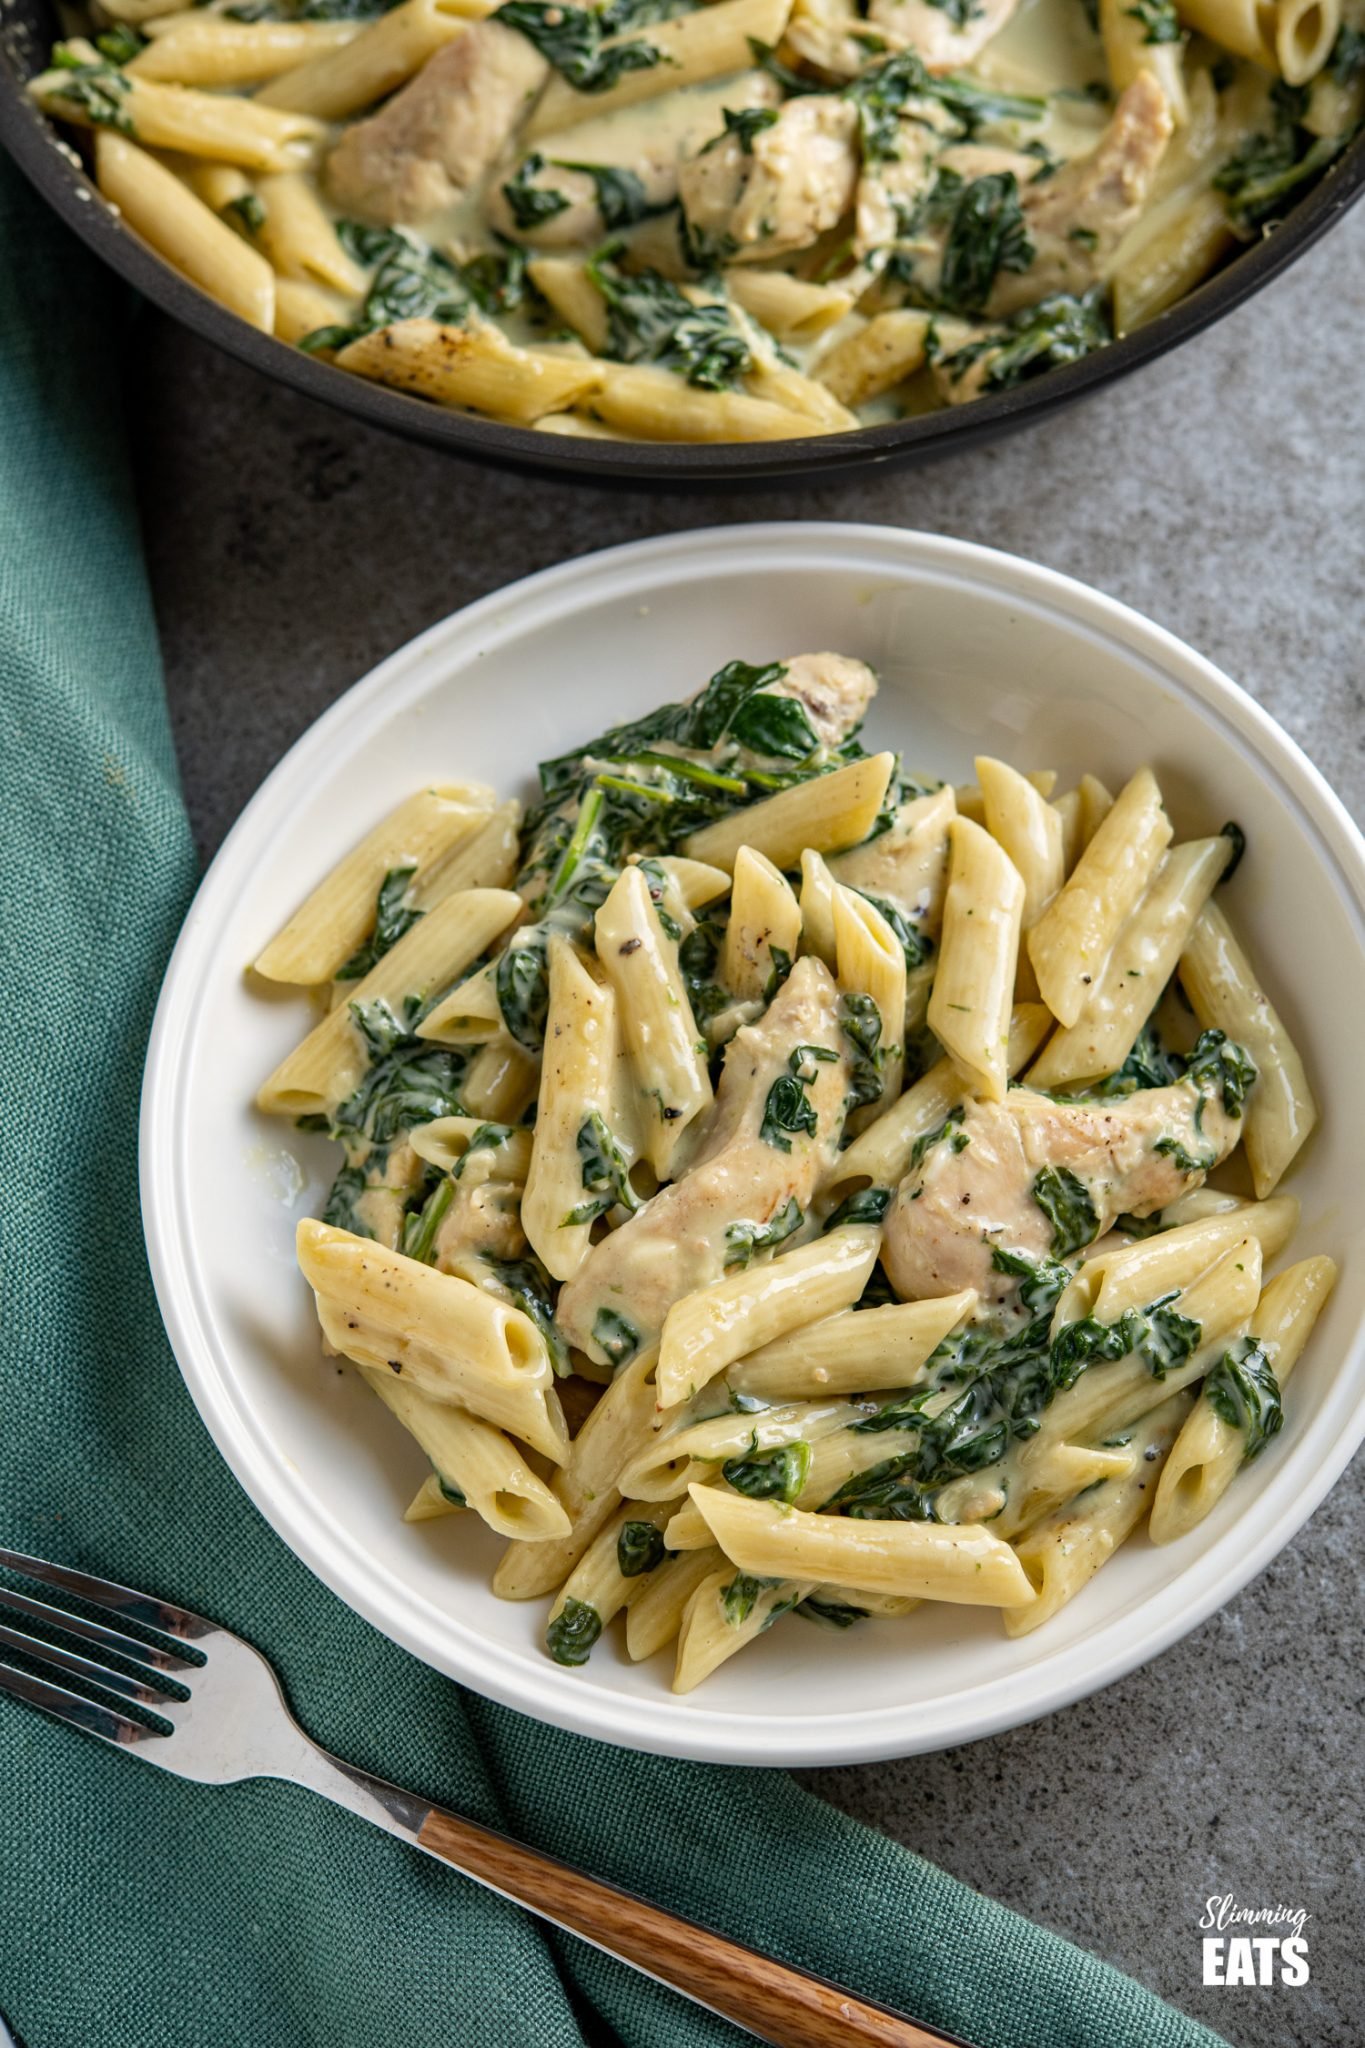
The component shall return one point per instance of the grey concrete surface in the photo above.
(1222, 491)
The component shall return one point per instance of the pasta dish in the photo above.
(744, 220)
(776, 1182)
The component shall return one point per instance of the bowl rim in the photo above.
(669, 1725)
(52, 165)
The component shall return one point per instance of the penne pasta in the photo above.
(228, 130)
(822, 815)
(1144, 956)
(472, 365)
(724, 1613)
(764, 929)
(1071, 941)
(1238, 1409)
(881, 1156)
(851, 1354)
(709, 1330)
(970, 1008)
(336, 919)
(181, 228)
(474, 1462)
(693, 47)
(655, 1615)
(452, 1341)
(870, 961)
(579, 1165)
(585, 1485)
(667, 1054)
(1280, 1113)
(916, 1560)
(1062, 1553)
(197, 48)
(329, 1065)
(372, 65)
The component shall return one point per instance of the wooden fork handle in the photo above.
(785, 2007)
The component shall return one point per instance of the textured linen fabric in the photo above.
(136, 1911)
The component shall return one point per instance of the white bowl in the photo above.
(977, 651)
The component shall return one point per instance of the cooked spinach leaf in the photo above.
(915, 944)
(884, 1494)
(392, 919)
(616, 1335)
(621, 196)
(120, 43)
(639, 1548)
(246, 213)
(1160, 22)
(410, 282)
(650, 320)
(1042, 1282)
(1244, 1392)
(1181, 1156)
(986, 235)
(1233, 831)
(1347, 58)
(744, 123)
(531, 205)
(777, 1474)
(1066, 1203)
(949, 1132)
(861, 1023)
(1058, 330)
(569, 1638)
(1268, 170)
(339, 1210)
(743, 1241)
(788, 1111)
(522, 981)
(1158, 1334)
(574, 40)
(738, 1598)
(885, 91)
(833, 1613)
(526, 1285)
(408, 1081)
(605, 1175)
(420, 1227)
(1223, 1067)
(100, 91)
(868, 1205)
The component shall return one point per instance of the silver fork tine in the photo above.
(95, 1632)
(122, 1600)
(82, 1667)
(69, 1706)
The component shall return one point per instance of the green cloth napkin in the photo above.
(137, 1911)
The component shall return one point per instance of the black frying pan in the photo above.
(27, 30)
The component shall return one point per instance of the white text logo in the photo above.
(1275, 1953)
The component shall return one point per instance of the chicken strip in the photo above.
(945, 38)
(778, 188)
(1076, 218)
(977, 1186)
(437, 136)
(833, 690)
(677, 1243)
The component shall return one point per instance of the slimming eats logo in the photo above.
(1274, 1952)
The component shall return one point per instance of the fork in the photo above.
(236, 1724)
